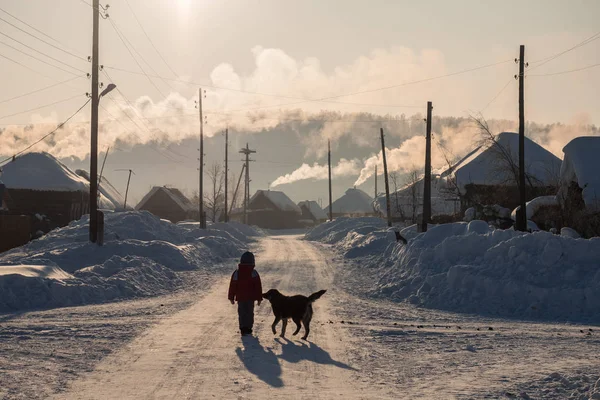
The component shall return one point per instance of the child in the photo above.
(245, 287)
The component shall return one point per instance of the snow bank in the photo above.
(141, 256)
(532, 206)
(474, 268)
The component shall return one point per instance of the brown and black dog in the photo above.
(298, 308)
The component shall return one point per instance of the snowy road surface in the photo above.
(187, 346)
(198, 354)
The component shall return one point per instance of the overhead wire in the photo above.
(546, 60)
(28, 25)
(566, 72)
(40, 52)
(40, 107)
(44, 41)
(45, 136)
(39, 90)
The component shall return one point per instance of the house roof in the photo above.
(175, 194)
(354, 201)
(279, 199)
(42, 171)
(314, 208)
(483, 165)
(581, 165)
(106, 188)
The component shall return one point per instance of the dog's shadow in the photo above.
(260, 361)
(294, 352)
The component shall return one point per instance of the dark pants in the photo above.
(246, 314)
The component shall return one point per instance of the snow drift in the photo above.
(142, 256)
(470, 267)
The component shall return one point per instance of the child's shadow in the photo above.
(294, 352)
(260, 361)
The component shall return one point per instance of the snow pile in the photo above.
(581, 165)
(141, 256)
(532, 206)
(355, 201)
(472, 268)
(334, 231)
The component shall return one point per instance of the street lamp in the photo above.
(109, 88)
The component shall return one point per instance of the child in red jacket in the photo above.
(245, 287)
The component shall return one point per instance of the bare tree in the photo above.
(398, 209)
(214, 200)
(508, 163)
(412, 182)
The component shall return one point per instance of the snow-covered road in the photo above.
(197, 353)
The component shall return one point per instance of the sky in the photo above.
(263, 64)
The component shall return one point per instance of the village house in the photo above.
(354, 203)
(312, 213)
(168, 203)
(271, 209)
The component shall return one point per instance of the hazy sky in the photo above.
(296, 50)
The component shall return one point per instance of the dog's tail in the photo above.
(316, 296)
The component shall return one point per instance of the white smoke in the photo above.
(319, 172)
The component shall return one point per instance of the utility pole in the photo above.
(126, 190)
(247, 152)
(522, 215)
(387, 184)
(94, 124)
(226, 216)
(201, 160)
(427, 179)
(329, 166)
(102, 170)
(375, 182)
(237, 188)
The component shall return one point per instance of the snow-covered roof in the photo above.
(105, 187)
(279, 199)
(175, 194)
(41, 171)
(483, 165)
(354, 201)
(314, 208)
(581, 165)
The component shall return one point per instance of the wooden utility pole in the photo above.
(102, 170)
(387, 184)
(226, 216)
(375, 182)
(247, 152)
(127, 189)
(522, 215)
(329, 167)
(94, 124)
(201, 160)
(237, 188)
(427, 179)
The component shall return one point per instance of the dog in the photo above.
(298, 308)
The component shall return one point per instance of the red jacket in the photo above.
(245, 284)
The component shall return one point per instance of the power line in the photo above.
(39, 59)
(29, 26)
(150, 40)
(45, 136)
(40, 107)
(497, 95)
(43, 41)
(37, 51)
(39, 90)
(567, 72)
(25, 66)
(546, 60)
(121, 36)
